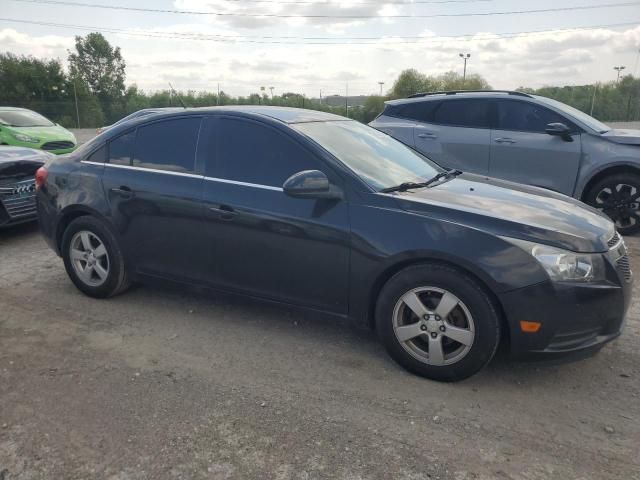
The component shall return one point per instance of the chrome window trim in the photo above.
(244, 184)
(192, 175)
(143, 169)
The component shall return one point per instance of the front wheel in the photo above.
(437, 322)
(618, 196)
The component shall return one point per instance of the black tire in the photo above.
(117, 279)
(472, 296)
(620, 205)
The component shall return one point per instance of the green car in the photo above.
(23, 128)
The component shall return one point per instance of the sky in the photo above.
(308, 46)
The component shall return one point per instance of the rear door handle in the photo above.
(504, 140)
(427, 135)
(123, 191)
(226, 212)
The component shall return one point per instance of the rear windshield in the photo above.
(23, 118)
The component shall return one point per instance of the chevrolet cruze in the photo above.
(318, 211)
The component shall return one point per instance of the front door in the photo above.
(154, 196)
(259, 240)
(521, 150)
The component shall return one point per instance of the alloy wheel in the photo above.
(621, 202)
(89, 258)
(433, 325)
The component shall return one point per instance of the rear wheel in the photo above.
(93, 259)
(437, 322)
(618, 196)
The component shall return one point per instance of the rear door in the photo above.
(154, 194)
(259, 240)
(521, 150)
(457, 135)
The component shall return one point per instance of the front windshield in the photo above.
(23, 118)
(579, 115)
(378, 159)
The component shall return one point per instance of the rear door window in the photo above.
(120, 148)
(252, 152)
(473, 113)
(526, 117)
(167, 145)
(419, 111)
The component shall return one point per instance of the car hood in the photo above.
(626, 136)
(19, 161)
(55, 132)
(513, 210)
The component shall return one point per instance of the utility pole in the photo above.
(593, 99)
(619, 69)
(75, 96)
(218, 97)
(381, 84)
(320, 96)
(271, 88)
(465, 57)
(346, 102)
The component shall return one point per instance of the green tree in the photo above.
(101, 66)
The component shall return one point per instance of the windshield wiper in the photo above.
(403, 187)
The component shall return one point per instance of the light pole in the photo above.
(465, 57)
(381, 84)
(619, 69)
(271, 88)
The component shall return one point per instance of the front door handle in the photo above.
(123, 191)
(427, 135)
(504, 140)
(226, 212)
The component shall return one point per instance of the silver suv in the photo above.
(524, 138)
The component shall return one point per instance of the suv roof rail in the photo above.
(455, 92)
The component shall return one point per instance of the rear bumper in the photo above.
(577, 319)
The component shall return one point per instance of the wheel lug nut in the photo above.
(438, 317)
(426, 317)
(434, 335)
(423, 327)
(442, 328)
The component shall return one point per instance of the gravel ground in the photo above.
(166, 384)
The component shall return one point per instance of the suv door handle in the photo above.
(226, 212)
(504, 140)
(427, 135)
(123, 191)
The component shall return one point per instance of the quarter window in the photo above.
(99, 156)
(526, 117)
(167, 145)
(463, 113)
(421, 111)
(254, 153)
(121, 147)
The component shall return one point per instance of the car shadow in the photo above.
(13, 232)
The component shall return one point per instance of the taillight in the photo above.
(41, 177)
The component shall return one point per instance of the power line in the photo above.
(278, 15)
(287, 40)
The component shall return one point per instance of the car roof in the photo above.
(435, 96)
(287, 115)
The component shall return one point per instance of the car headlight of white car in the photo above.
(25, 138)
(564, 265)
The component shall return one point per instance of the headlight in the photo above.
(25, 138)
(564, 265)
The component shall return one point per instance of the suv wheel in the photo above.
(437, 322)
(93, 259)
(619, 197)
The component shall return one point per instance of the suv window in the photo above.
(121, 147)
(463, 113)
(99, 156)
(254, 153)
(420, 111)
(167, 145)
(526, 117)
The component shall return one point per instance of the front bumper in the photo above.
(577, 318)
(17, 203)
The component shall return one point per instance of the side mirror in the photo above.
(310, 184)
(559, 130)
